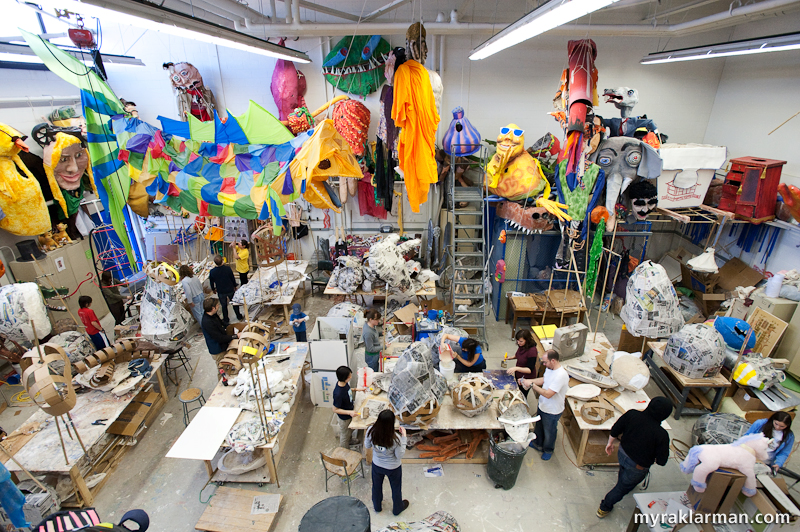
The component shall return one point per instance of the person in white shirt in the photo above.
(551, 389)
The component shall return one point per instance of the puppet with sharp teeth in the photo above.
(193, 97)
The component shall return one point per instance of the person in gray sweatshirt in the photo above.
(372, 345)
(388, 449)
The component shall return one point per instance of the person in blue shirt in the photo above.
(298, 319)
(470, 360)
(779, 428)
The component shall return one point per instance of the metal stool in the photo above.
(176, 358)
(191, 395)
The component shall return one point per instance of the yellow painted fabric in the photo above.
(414, 110)
(242, 260)
(20, 195)
(324, 145)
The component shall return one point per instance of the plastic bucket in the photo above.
(448, 369)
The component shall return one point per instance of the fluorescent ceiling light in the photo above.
(151, 17)
(23, 54)
(553, 14)
(776, 43)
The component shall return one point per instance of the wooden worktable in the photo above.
(41, 452)
(428, 290)
(222, 397)
(285, 300)
(541, 306)
(588, 440)
(678, 387)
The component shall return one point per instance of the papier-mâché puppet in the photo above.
(21, 201)
(193, 97)
(288, 87)
(624, 99)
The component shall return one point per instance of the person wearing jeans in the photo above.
(370, 334)
(552, 390)
(642, 442)
(388, 449)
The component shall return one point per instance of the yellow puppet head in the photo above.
(66, 161)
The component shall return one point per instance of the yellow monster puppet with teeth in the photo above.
(514, 174)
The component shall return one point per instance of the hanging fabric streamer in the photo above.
(594, 257)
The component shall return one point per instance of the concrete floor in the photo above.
(552, 495)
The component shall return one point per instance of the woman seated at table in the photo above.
(469, 360)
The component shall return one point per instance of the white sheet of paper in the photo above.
(265, 504)
(204, 435)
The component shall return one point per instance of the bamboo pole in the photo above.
(61, 438)
(605, 280)
(10, 457)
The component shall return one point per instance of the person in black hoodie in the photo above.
(642, 442)
(223, 283)
(217, 338)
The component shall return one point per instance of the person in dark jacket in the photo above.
(642, 442)
(223, 283)
(115, 301)
(217, 338)
(528, 346)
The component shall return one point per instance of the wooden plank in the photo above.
(229, 511)
(700, 396)
(204, 435)
(481, 457)
(674, 215)
(776, 493)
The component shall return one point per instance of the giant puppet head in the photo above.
(356, 65)
(184, 76)
(512, 172)
(416, 47)
(644, 198)
(193, 97)
(625, 160)
(69, 172)
(623, 98)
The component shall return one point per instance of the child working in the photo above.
(387, 455)
(90, 321)
(372, 346)
(298, 320)
(242, 260)
(343, 405)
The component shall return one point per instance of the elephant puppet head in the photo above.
(184, 76)
(624, 160)
(623, 98)
(644, 198)
(416, 47)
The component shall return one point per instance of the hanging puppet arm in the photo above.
(553, 207)
(322, 109)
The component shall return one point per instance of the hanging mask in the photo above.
(644, 198)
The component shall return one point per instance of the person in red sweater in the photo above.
(528, 346)
(90, 321)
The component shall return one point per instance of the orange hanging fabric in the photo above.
(414, 110)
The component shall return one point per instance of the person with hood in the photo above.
(642, 442)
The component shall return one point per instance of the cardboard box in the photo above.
(762, 503)
(128, 422)
(631, 343)
(723, 486)
(732, 274)
(404, 317)
(748, 402)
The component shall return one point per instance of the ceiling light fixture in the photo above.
(553, 14)
(151, 17)
(18, 53)
(775, 43)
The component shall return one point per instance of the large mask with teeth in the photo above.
(184, 76)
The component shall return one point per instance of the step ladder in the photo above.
(468, 252)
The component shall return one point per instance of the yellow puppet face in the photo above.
(511, 141)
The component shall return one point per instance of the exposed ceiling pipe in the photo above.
(288, 6)
(323, 9)
(194, 11)
(391, 6)
(230, 9)
(295, 5)
(273, 12)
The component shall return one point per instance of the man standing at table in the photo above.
(552, 390)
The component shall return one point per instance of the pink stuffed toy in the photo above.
(740, 455)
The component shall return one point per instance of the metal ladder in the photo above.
(467, 241)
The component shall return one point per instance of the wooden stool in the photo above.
(191, 395)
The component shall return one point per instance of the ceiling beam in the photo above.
(681, 9)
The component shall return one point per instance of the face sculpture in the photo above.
(71, 166)
(184, 76)
(619, 157)
(644, 199)
(513, 173)
(416, 47)
(510, 144)
(623, 98)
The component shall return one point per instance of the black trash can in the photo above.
(504, 465)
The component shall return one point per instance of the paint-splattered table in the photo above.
(36, 445)
(292, 368)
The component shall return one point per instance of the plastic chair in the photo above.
(343, 463)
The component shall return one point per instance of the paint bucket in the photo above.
(448, 368)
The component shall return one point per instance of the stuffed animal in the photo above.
(47, 242)
(740, 455)
(62, 238)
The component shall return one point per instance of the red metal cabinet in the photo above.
(751, 188)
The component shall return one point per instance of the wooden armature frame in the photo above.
(269, 246)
